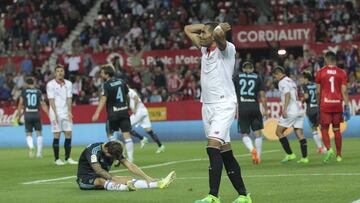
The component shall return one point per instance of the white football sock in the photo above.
(317, 139)
(39, 145)
(142, 184)
(129, 149)
(248, 143)
(258, 145)
(112, 138)
(29, 141)
(109, 185)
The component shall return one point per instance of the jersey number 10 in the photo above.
(31, 99)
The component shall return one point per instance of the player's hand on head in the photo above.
(225, 26)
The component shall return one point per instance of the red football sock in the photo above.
(325, 136)
(338, 142)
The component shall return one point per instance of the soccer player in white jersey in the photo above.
(219, 103)
(292, 115)
(140, 117)
(59, 92)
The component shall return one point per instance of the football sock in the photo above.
(325, 136)
(67, 146)
(234, 172)
(285, 144)
(258, 145)
(39, 145)
(154, 137)
(56, 148)
(137, 135)
(112, 138)
(109, 185)
(317, 139)
(248, 143)
(29, 141)
(215, 170)
(129, 149)
(303, 147)
(338, 142)
(142, 184)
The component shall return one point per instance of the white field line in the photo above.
(246, 176)
(144, 167)
(356, 201)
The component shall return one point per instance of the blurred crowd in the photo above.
(32, 28)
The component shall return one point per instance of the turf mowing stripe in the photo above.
(144, 167)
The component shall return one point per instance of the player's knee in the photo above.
(324, 126)
(336, 127)
(99, 182)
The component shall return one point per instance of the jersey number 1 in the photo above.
(332, 85)
(119, 95)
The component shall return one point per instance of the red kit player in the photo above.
(332, 89)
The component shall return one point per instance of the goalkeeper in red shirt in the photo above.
(332, 92)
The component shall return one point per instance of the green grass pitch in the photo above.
(269, 182)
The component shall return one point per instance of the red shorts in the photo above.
(327, 118)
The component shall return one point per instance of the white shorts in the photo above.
(140, 118)
(296, 121)
(63, 124)
(217, 119)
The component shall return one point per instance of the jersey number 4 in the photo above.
(244, 85)
(119, 95)
(31, 99)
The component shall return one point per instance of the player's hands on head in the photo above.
(225, 26)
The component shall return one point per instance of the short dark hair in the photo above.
(212, 26)
(248, 63)
(115, 149)
(330, 56)
(59, 66)
(108, 69)
(308, 75)
(30, 81)
(278, 69)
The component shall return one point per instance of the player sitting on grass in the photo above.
(94, 165)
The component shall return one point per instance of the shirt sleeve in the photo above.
(283, 87)
(40, 98)
(50, 91)
(126, 90)
(69, 90)
(229, 50)
(105, 90)
(90, 157)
